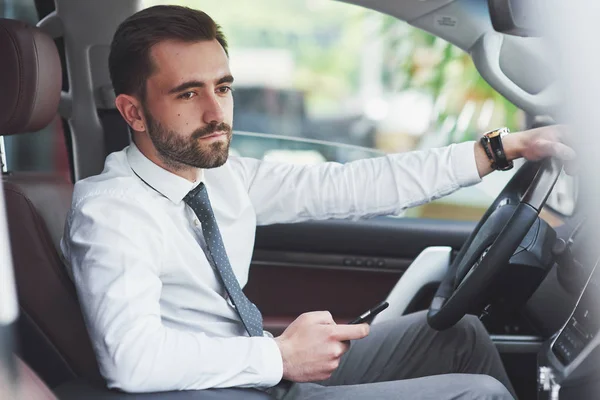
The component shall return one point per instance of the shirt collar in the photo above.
(172, 186)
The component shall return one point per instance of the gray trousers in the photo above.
(404, 359)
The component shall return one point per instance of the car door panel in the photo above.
(342, 266)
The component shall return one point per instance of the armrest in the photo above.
(430, 266)
(81, 389)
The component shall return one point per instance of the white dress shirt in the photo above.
(158, 317)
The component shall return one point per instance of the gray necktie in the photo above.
(198, 200)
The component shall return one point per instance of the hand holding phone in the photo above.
(312, 345)
(370, 314)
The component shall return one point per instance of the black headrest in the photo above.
(30, 78)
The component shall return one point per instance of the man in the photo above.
(159, 244)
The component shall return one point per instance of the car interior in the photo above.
(524, 268)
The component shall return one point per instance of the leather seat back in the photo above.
(52, 334)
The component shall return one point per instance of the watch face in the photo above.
(497, 132)
(493, 134)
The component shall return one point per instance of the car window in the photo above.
(334, 72)
(23, 10)
(46, 149)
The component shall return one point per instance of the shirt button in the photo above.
(196, 222)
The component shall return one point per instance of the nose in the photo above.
(212, 109)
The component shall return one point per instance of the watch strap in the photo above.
(484, 143)
(493, 145)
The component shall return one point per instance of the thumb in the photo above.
(563, 152)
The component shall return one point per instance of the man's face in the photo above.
(189, 105)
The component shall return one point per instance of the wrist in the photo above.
(281, 343)
(513, 146)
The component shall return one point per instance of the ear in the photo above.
(131, 110)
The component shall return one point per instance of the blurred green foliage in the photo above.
(327, 40)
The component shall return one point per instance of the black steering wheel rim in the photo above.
(493, 241)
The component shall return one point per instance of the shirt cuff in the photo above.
(273, 363)
(464, 165)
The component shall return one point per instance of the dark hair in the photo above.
(129, 62)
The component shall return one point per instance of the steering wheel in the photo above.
(493, 242)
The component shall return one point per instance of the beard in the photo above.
(178, 151)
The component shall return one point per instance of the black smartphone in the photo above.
(369, 315)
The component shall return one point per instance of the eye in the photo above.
(224, 89)
(187, 95)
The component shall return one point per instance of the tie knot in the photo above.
(194, 193)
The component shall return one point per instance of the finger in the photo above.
(346, 345)
(320, 317)
(562, 133)
(340, 349)
(571, 167)
(350, 332)
(563, 152)
(554, 133)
